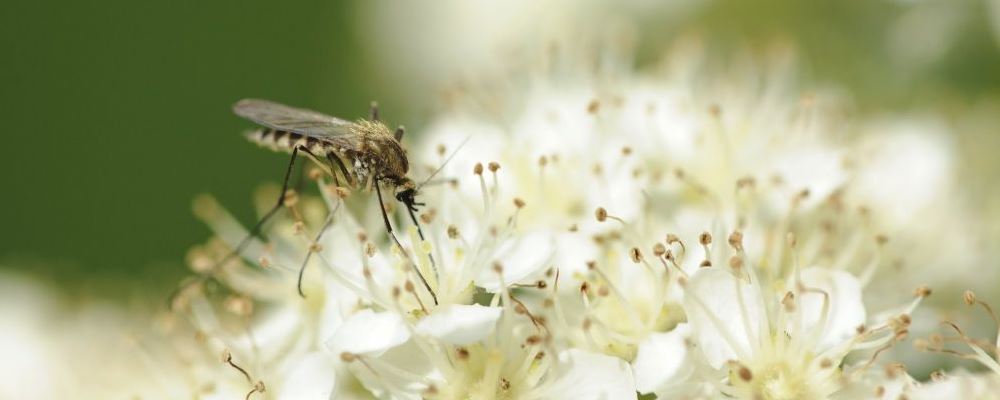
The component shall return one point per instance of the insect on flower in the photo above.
(359, 155)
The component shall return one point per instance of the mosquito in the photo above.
(359, 155)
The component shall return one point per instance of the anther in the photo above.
(593, 106)
(542, 161)
(659, 249)
(601, 214)
(315, 174)
(922, 291)
(494, 166)
(969, 297)
(264, 262)
(736, 240)
(745, 374)
(736, 262)
(626, 151)
(462, 353)
(518, 203)
(789, 302)
(705, 238)
(441, 149)
(478, 169)
(347, 357)
(452, 232)
(635, 255)
(291, 198)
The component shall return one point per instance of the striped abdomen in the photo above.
(346, 168)
(286, 141)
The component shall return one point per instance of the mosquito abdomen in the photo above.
(286, 141)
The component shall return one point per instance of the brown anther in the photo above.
(315, 174)
(539, 356)
(366, 272)
(426, 218)
(497, 267)
(672, 238)
(892, 370)
(226, 356)
(541, 284)
(315, 248)
(880, 391)
(264, 262)
(603, 291)
(825, 363)
(548, 303)
(861, 329)
(239, 305)
(343, 192)
(452, 232)
(408, 286)
(736, 240)
(881, 239)
(594, 106)
(601, 214)
(298, 227)
(705, 264)
(922, 291)
(745, 182)
(291, 198)
(396, 292)
(969, 297)
(586, 324)
(788, 302)
(635, 255)
(736, 262)
(494, 166)
(745, 374)
(533, 340)
(659, 249)
(518, 203)
(362, 237)
(905, 319)
(715, 110)
(705, 238)
(431, 390)
(626, 150)
(462, 353)
(347, 357)
(520, 309)
(591, 265)
(937, 375)
(478, 169)
(542, 161)
(504, 384)
(584, 287)
(573, 228)
(441, 149)
(369, 249)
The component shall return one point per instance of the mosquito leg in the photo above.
(373, 111)
(388, 228)
(420, 232)
(302, 269)
(270, 213)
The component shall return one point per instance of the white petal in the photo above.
(846, 309)
(519, 259)
(592, 376)
(369, 333)
(460, 324)
(312, 378)
(723, 325)
(660, 359)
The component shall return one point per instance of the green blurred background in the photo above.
(116, 113)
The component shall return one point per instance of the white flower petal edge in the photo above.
(460, 324)
(519, 259)
(312, 378)
(712, 293)
(369, 333)
(660, 359)
(845, 312)
(592, 376)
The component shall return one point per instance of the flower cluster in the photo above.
(602, 235)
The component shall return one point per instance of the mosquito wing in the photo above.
(284, 118)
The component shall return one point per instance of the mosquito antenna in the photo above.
(446, 161)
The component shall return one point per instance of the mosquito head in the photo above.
(407, 194)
